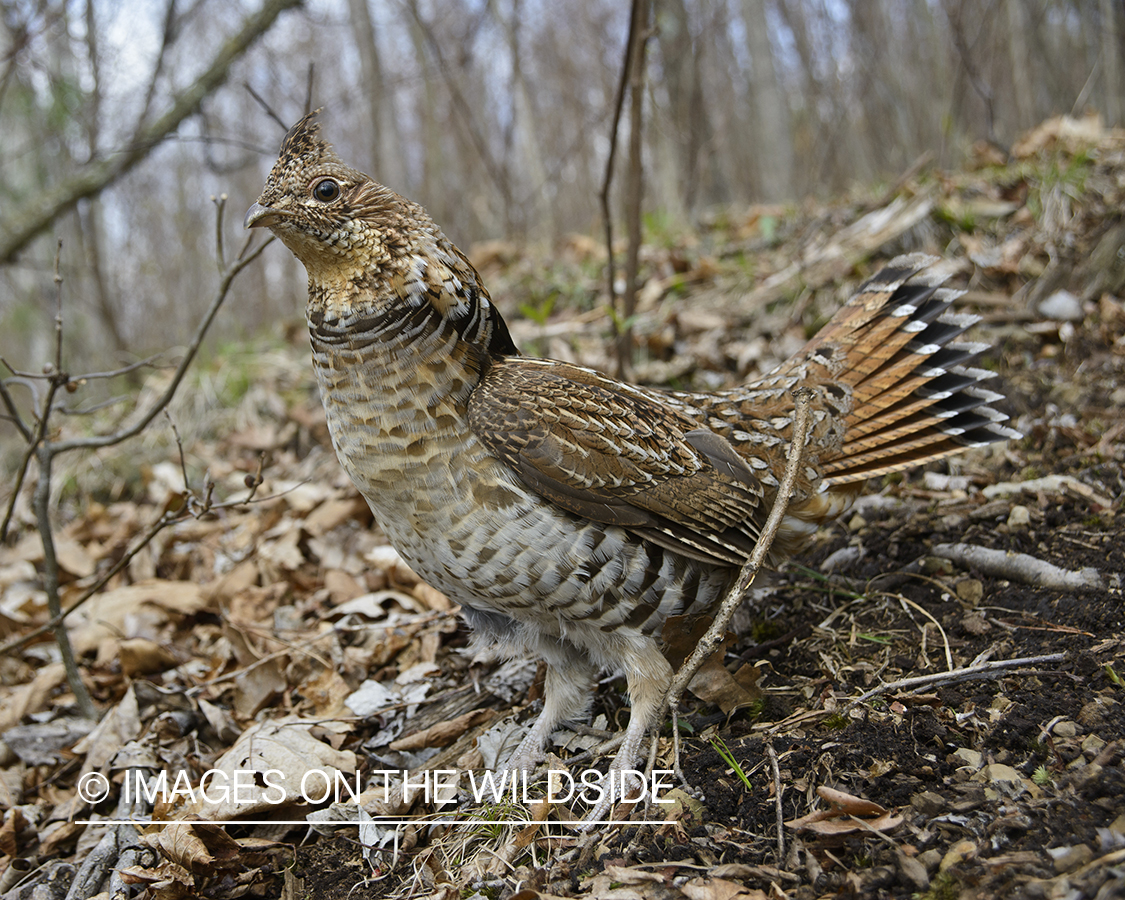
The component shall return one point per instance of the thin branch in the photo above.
(58, 313)
(310, 77)
(13, 412)
(108, 440)
(980, 86)
(634, 189)
(168, 37)
(618, 105)
(114, 373)
(464, 108)
(969, 673)
(779, 811)
(41, 502)
(220, 204)
(1020, 567)
(802, 419)
(261, 101)
(21, 474)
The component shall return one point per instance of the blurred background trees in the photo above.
(119, 119)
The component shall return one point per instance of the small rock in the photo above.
(953, 522)
(1038, 889)
(1001, 781)
(957, 854)
(1067, 859)
(1095, 712)
(1065, 729)
(878, 877)
(975, 623)
(1118, 825)
(937, 565)
(1062, 306)
(969, 591)
(1019, 517)
(1092, 745)
(936, 481)
(969, 757)
(857, 522)
(913, 872)
(842, 560)
(1117, 398)
(694, 321)
(1113, 838)
(928, 803)
(931, 859)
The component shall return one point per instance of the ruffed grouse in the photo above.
(568, 513)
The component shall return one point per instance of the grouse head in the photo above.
(367, 249)
(336, 220)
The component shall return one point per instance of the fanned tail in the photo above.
(914, 395)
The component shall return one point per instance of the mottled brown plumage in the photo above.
(568, 513)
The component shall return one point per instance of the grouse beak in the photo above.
(258, 216)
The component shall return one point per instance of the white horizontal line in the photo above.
(374, 820)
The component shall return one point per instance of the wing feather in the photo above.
(611, 453)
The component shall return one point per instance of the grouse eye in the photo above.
(326, 190)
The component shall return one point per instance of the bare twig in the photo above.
(618, 105)
(969, 673)
(13, 412)
(115, 373)
(778, 788)
(802, 419)
(310, 79)
(21, 474)
(944, 638)
(90, 410)
(464, 108)
(107, 440)
(163, 522)
(192, 507)
(220, 204)
(168, 37)
(980, 86)
(261, 101)
(41, 503)
(633, 190)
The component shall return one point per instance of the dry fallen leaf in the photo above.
(720, 889)
(444, 733)
(273, 766)
(110, 613)
(197, 846)
(840, 817)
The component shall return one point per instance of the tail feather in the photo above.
(943, 402)
(914, 396)
(885, 335)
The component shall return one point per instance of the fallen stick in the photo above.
(1020, 567)
(802, 419)
(983, 671)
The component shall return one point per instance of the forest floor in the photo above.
(898, 715)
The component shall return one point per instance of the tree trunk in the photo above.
(1022, 88)
(383, 140)
(775, 160)
(1111, 61)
